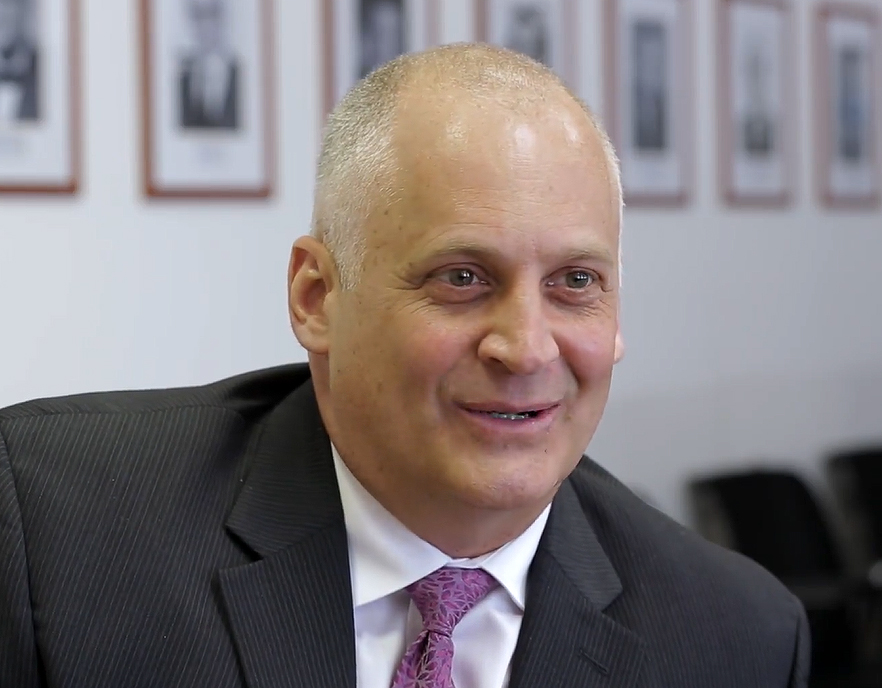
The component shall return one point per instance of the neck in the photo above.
(460, 530)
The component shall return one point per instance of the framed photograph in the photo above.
(39, 96)
(208, 98)
(756, 114)
(545, 30)
(360, 35)
(847, 110)
(649, 98)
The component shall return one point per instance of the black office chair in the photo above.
(774, 518)
(855, 477)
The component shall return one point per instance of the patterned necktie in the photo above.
(442, 598)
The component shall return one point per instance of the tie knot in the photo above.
(446, 595)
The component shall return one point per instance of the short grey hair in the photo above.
(357, 163)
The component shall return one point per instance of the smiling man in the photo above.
(412, 508)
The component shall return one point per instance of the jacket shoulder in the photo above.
(663, 557)
(245, 394)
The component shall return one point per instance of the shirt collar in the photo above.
(385, 557)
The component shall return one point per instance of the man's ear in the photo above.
(620, 346)
(311, 281)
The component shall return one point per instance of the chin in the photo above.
(512, 493)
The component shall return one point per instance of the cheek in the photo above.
(428, 352)
(590, 354)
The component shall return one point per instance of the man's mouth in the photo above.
(507, 412)
(522, 415)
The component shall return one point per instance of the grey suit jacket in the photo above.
(195, 537)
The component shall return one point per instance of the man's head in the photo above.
(208, 19)
(459, 295)
(13, 21)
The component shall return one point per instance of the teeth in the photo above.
(513, 416)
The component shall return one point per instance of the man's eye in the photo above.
(579, 279)
(461, 277)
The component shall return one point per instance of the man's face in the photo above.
(12, 21)
(472, 362)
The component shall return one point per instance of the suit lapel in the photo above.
(290, 612)
(566, 638)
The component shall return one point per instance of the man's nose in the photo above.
(521, 336)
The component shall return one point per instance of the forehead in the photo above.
(537, 175)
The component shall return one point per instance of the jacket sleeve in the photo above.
(19, 664)
(799, 673)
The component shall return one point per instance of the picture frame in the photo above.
(847, 106)
(546, 30)
(650, 98)
(208, 98)
(40, 97)
(360, 35)
(757, 132)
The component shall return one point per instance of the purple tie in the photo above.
(442, 598)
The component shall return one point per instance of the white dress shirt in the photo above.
(385, 557)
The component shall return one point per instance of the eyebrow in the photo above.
(589, 253)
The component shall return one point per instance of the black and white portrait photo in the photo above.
(755, 70)
(209, 127)
(382, 33)
(39, 96)
(757, 123)
(361, 35)
(851, 105)
(209, 77)
(650, 85)
(19, 63)
(544, 30)
(527, 30)
(848, 126)
(649, 98)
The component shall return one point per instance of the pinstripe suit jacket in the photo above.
(195, 537)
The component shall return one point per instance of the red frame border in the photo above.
(789, 136)
(72, 187)
(265, 190)
(686, 109)
(824, 155)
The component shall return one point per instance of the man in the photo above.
(18, 64)
(209, 78)
(413, 509)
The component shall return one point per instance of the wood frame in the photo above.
(823, 143)
(724, 111)
(570, 35)
(75, 133)
(154, 190)
(612, 79)
(327, 30)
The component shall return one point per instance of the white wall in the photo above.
(750, 334)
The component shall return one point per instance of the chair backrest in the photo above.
(856, 480)
(772, 517)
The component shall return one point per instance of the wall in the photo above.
(751, 335)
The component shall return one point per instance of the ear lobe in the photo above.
(310, 282)
(620, 347)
